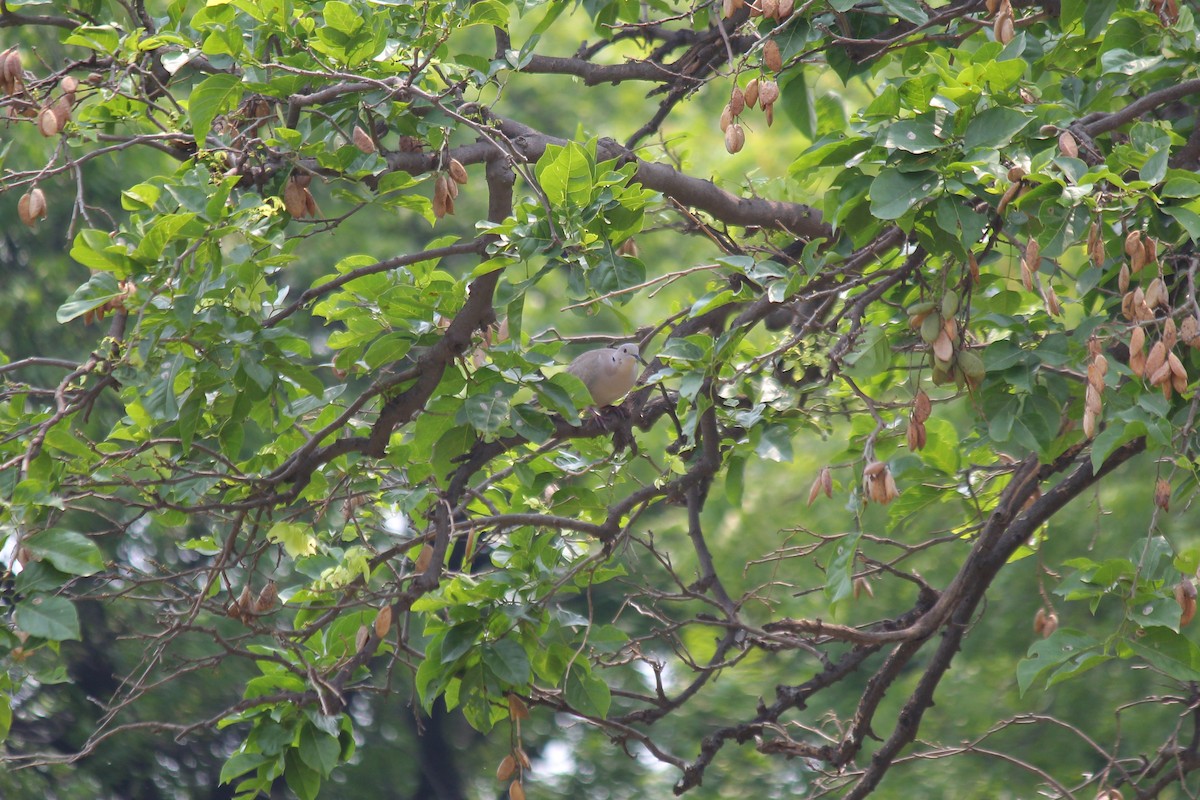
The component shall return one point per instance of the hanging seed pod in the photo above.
(266, 598)
(737, 101)
(1045, 623)
(363, 141)
(1016, 173)
(1067, 145)
(1133, 243)
(628, 248)
(310, 204)
(1179, 376)
(943, 347)
(515, 791)
(508, 765)
(1122, 278)
(769, 8)
(772, 58)
(769, 113)
(922, 407)
(1189, 331)
(726, 118)
(383, 622)
(424, 558)
(750, 93)
(768, 93)
(1004, 27)
(1156, 360)
(1137, 352)
(517, 710)
(915, 435)
(1162, 494)
(62, 112)
(32, 207)
(862, 586)
(1156, 293)
(1185, 596)
(47, 123)
(441, 197)
(1050, 298)
(293, 198)
(361, 637)
(972, 368)
(973, 267)
(1089, 424)
(1150, 247)
(458, 173)
(786, 8)
(735, 138)
(1170, 334)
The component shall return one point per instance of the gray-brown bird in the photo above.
(608, 373)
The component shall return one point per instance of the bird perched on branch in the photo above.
(608, 373)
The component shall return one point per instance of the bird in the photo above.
(608, 373)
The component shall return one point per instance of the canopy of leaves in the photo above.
(293, 477)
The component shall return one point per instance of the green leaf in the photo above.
(587, 693)
(907, 10)
(296, 537)
(301, 779)
(994, 128)
(530, 423)
(1172, 653)
(52, 618)
(240, 763)
(566, 174)
(913, 136)
(99, 289)
(487, 411)
(69, 552)
(1065, 646)
(216, 94)
(894, 192)
(318, 749)
(508, 661)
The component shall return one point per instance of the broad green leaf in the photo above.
(48, 617)
(216, 94)
(894, 192)
(69, 552)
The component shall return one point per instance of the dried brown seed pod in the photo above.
(515, 791)
(1089, 423)
(735, 138)
(266, 598)
(628, 248)
(726, 118)
(769, 8)
(1016, 173)
(1189, 331)
(1133, 243)
(1150, 246)
(1179, 376)
(409, 144)
(1045, 623)
(922, 407)
(1170, 333)
(862, 586)
(508, 765)
(62, 111)
(737, 101)
(750, 93)
(1050, 298)
(361, 637)
(786, 8)
(293, 199)
(1067, 145)
(363, 141)
(517, 710)
(768, 93)
(973, 266)
(1091, 400)
(1156, 293)
(1156, 360)
(47, 122)
(1109, 794)
(523, 759)
(915, 435)
(383, 621)
(1162, 495)
(769, 114)
(32, 207)
(1004, 28)
(310, 204)
(424, 558)
(458, 173)
(772, 58)
(943, 347)
(441, 197)
(874, 468)
(1185, 596)
(1137, 352)
(1123, 278)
